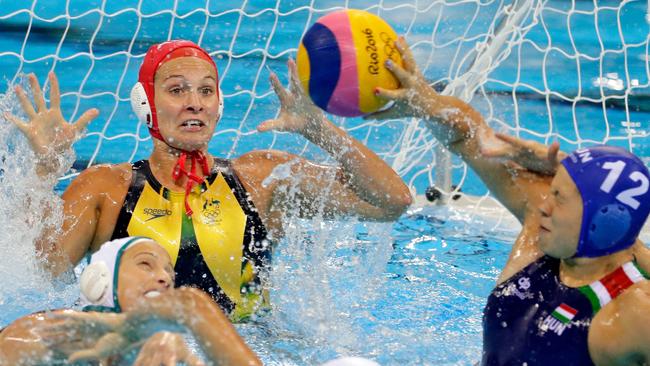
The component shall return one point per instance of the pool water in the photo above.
(414, 300)
(403, 293)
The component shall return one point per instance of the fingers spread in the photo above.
(25, 102)
(55, 94)
(402, 75)
(22, 126)
(507, 138)
(39, 100)
(555, 154)
(269, 125)
(407, 55)
(278, 88)
(390, 94)
(293, 76)
(85, 119)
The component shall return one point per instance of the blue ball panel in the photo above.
(325, 63)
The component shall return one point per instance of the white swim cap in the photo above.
(351, 361)
(98, 281)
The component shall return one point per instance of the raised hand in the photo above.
(528, 154)
(297, 112)
(414, 96)
(46, 129)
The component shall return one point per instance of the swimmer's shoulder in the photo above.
(103, 178)
(620, 332)
(253, 167)
(102, 187)
(23, 327)
(259, 159)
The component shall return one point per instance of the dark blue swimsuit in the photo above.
(524, 324)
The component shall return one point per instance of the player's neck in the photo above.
(575, 272)
(163, 160)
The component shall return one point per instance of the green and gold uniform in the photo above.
(222, 249)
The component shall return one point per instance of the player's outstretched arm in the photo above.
(462, 130)
(367, 177)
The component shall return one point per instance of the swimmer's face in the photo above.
(187, 102)
(145, 270)
(561, 217)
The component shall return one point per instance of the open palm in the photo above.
(297, 112)
(47, 131)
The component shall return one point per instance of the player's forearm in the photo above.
(218, 337)
(193, 309)
(49, 253)
(369, 176)
(19, 346)
(53, 259)
(462, 130)
(454, 123)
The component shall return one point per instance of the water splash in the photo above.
(409, 293)
(29, 204)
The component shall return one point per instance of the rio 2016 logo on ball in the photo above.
(341, 61)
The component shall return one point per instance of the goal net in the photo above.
(573, 71)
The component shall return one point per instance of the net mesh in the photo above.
(576, 71)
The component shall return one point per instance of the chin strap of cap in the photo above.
(197, 158)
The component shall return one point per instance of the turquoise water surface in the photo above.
(409, 292)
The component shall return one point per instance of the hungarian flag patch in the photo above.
(564, 313)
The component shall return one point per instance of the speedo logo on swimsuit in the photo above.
(156, 213)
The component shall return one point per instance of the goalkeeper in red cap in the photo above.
(215, 217)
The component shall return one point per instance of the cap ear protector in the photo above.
(142, 107)
(95, 281)
(99, 280)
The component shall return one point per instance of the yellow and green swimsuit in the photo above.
(222, 249)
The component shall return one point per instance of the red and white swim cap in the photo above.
(142, 95)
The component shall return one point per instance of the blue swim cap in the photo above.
(614, 185)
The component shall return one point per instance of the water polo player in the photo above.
(212, 215)
(574, 290)
(127, 284)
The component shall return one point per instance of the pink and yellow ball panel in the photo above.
(341, 61)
